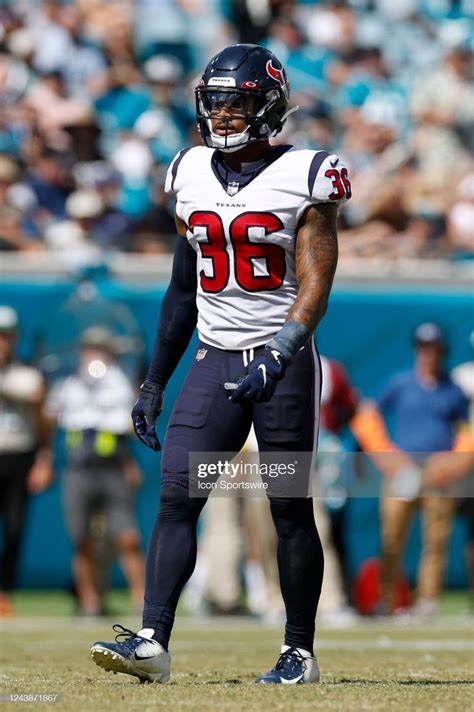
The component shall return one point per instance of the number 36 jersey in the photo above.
(243, 228)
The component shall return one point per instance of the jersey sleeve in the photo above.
(328, 179)
(172, 182)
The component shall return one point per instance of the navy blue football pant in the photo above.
(205, 420)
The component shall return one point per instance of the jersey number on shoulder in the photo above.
(245, 252)
(341, 183)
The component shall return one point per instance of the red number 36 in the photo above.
(340, 182)
(245, 251)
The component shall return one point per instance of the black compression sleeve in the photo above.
(178, 315)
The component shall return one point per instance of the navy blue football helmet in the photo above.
(252, 84)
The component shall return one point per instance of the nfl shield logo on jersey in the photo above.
(201, 354)
(232, 187)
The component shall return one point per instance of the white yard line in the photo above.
(386, 644)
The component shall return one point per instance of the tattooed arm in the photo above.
(316, 261)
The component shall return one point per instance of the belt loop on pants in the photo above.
(248, 356)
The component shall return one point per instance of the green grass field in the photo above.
(370, 666)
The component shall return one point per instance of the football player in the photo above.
(254, 269)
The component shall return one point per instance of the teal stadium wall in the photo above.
(367, 329)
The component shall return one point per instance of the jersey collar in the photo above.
(232, 181)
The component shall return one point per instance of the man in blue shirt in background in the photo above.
(429, 408)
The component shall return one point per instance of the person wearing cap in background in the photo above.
(92, 408)
(25, 464)
(83, 208)
(430, 411)
(109, 226)
(169, 111)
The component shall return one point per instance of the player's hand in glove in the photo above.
(145, 412)
(263, 374)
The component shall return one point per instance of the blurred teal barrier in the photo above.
(369, 330)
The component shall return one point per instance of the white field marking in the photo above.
(364, 625)
(454, 645)
(328, 644)
(451, 644)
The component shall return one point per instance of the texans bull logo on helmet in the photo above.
(274, 72)
(252, 78)
(278, 75)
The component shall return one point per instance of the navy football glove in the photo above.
(145, 412)
(263, 374)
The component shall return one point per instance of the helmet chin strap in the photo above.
(232, 143)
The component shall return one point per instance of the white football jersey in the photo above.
(245, 238)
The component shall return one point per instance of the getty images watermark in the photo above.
(248, 473)
(333, 476)
(241, 475)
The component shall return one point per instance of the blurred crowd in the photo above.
(97, 97)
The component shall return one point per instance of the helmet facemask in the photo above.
(217, 107)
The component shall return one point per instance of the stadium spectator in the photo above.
(96, 223)
(168, 121)
(154, 232)
(428, 408)
(123, 99)
(11, 233)
(16, 73)
(52, 41)
(25, 465)
(305, 63)
(51, 182)
(452, 81)
(93, 80)
(83, 62)
(92, 408)
(461, 218)
(111, 226)
(54, 108)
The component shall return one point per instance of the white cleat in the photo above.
(295, 666)
(137, 655)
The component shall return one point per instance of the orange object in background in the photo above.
(370, 430)
(6, 606)
(367, 589)
(464, 441)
